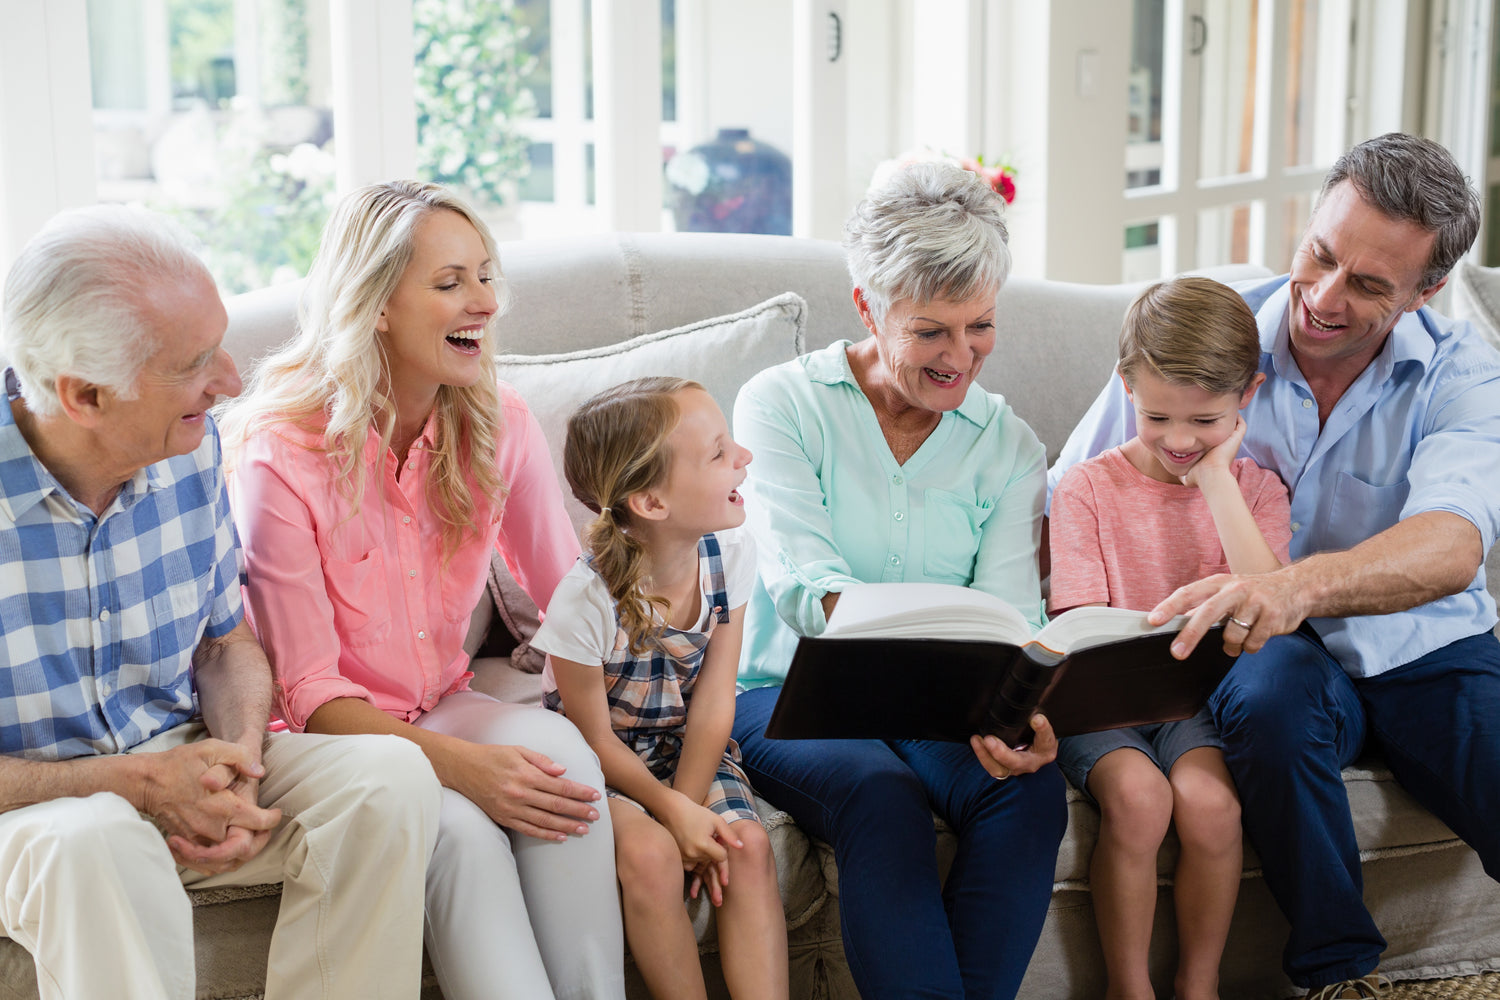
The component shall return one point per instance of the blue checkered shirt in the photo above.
(99, 616)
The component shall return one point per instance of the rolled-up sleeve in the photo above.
(286, 592)
(1456, 464)
(799, 561)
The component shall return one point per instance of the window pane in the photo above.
(1298, 210)
(472, 64)
(1492, 227)
(537, 185)
(220, 121)
(1224, 235)
(1143, 139)
(668, 60)
(1228, 62)
(533, 20)
(1317, 88)
(1142, 259)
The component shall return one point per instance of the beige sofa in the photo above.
(582, 299)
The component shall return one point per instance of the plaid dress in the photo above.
(648, 695)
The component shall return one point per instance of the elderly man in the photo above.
(133, 697)
(1383, 418)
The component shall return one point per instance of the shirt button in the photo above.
(897, 480)
(899, 515)
(412, 573)
(411, 465)
(421, 635)
(406, 519)
(895, 560)
(104, 615)
(1296, 525)
(1307, 404)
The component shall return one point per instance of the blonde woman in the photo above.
(376, 466)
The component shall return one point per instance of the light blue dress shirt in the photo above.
(829, 506)
(1419, 430)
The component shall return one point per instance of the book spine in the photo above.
(1010, 712)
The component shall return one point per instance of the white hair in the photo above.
(77, 299)
(931, 230)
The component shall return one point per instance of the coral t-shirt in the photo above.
(1121, 538)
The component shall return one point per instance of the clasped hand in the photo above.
(203, 796)
(703, 838)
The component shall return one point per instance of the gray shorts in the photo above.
(1163, 743)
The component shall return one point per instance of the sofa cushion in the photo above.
(1476, 298)
(721, 353)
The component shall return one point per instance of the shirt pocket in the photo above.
(361, 604)
(461, 594)
(179, 615)
(1360, 510)
(951, 539)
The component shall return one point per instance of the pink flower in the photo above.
(1000, 177)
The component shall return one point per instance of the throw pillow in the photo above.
(721, 353)
(1476, 298)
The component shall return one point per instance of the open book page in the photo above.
(1080, 628)
(925, 611)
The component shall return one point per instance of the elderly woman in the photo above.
(377, 466)
(884, 461)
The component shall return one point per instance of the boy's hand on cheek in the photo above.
(1216, 460)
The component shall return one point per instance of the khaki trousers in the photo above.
(92, 892)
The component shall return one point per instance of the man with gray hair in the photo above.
(1383, 418)
(133, 697)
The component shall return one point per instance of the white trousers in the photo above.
(511, 916)
(92, 892)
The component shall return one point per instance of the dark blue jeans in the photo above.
(906, 934)
(1291, 719)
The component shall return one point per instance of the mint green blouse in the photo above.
(829, 506)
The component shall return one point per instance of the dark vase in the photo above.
(734, 184)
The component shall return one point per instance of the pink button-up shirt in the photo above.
(368, 606)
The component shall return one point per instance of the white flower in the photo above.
(307, 162)
(688, 171)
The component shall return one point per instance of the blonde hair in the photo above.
(1191, 331)
(617, 447)
(333, 374)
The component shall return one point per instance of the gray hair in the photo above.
(933, 230)
(1415, 179)
(77, 299)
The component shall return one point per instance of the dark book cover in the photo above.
(940, 689)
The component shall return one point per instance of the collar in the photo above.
(1409, 340)
(831, 367)
(25, 481)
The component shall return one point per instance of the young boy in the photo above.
(1128, 527)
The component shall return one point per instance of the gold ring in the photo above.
(1244, 625)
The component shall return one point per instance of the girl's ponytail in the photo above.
(616, 448)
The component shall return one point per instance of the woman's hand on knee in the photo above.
(1002, 761)
(523, 790)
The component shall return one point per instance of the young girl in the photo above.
(643, 637)
(1128, 527)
